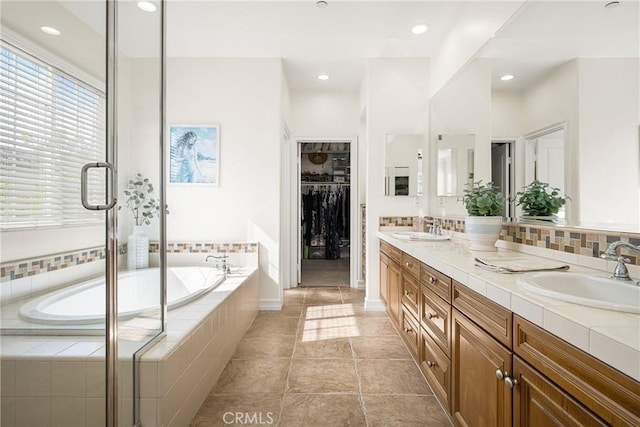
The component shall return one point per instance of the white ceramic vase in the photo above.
(483, 232)
(137, 249)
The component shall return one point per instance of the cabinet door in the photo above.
(394, 284)
(478, 397)
(384, 279)
(537, 402)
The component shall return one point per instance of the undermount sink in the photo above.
(418, 235)
(584, 289)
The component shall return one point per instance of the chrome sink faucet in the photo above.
(620, 272)
(435, 228)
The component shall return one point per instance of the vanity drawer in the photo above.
(492, 317)
(436, 367)
(436, 281)
(436, 318)
(391, 251)
(411, 265)
(409, 331)
(409, 296)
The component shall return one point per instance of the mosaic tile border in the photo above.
(205, 247)
(33, 266)
(591, 243)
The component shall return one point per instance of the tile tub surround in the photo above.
(613, 337)
(579, 241)
(46, 373)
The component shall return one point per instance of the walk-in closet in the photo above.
(325, 204)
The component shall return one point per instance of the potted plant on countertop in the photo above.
(540, 201)
(483, 223)
(144, 207)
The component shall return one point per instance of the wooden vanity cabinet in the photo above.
(492, 368)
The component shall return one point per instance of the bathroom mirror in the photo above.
(455, 163)
(564, 72)
(401, 164)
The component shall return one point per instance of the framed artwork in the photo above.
(194, 154)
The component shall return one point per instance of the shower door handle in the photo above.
(83, 186)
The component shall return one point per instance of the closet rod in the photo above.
(325, 183)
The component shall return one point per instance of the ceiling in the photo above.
(545, 35)
(338, 39)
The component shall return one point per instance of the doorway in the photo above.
(502, 173)
(325, 225)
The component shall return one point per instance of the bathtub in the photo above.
(138, 292)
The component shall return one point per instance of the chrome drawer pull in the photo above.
(407, 293)
(430, 364)
(432, 279)
(431, 315)
(408, 264)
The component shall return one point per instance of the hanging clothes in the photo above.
(325, 219)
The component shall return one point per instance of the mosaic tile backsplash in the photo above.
(579, 241)
(31, 267)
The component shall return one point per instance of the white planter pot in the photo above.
(483, 232)
(137, 249)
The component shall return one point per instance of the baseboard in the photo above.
(360, 284)
(374, 305)
(270, 304)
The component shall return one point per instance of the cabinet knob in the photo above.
(430, 364)
(407, 293)
(408, 264)
(431, 315)
(407, 330)
(511, 382)
(500, 375)
(432, 279)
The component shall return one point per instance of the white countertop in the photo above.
(610, 336)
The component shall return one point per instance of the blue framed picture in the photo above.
(194, 154)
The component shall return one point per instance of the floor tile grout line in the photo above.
(358, 379)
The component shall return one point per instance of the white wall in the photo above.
(243, 96)
(461, 107)
(397, 101)
(609, 108)
(318, 113)
(507, 115)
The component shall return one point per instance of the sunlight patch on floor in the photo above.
(329, 322)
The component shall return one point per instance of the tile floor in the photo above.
(323, 272)
(321, 361)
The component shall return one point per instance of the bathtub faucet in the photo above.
(226, 268)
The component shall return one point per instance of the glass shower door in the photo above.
(55, 252)
(139, 123)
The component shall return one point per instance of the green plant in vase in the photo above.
(143, 207)
(483, 224)
(540, 199)
(483, 199)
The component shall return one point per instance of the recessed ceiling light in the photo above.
(611, 4)
(50, 30)
(507, 77)
(322, 3)
(419, 29)
(147, 6)
(323, 77)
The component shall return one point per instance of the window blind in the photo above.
(51, 124)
